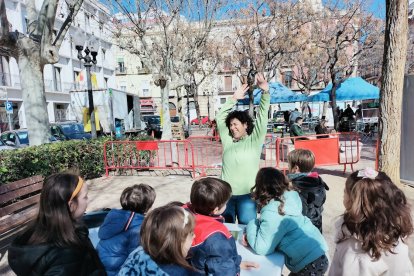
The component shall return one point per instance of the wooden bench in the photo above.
(18, 203)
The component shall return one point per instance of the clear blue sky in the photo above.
(378, 8)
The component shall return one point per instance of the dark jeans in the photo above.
(242, 207)
(316, 268)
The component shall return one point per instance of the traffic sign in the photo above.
(9, 107)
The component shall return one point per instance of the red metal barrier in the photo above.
(144, 155)
(337, 149)
(207, 151)
(201, 153)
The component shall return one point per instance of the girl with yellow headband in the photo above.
(57, 242)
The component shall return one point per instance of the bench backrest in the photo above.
(19, 195)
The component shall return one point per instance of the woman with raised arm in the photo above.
(242, 145)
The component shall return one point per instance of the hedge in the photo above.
(83, 155)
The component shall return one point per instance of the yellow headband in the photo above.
(77, 189)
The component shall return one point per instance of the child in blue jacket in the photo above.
(283, 227)
(213, 250)
(119, 233)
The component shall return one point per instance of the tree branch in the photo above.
(65, 27)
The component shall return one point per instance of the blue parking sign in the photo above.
(9, 107)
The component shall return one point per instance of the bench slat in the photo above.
(6, 188)
(9, 209)
(21, 192)
(14, 221)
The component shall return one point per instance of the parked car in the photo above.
(204, 120)
(19, 138)
(69, 131)
(154, 125)
(3, 146)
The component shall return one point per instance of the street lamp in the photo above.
(208, 94)
(89, 58)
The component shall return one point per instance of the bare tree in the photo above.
(395, 49)
(346, 31)
(169, 37)
(265, 33)
(32, 52)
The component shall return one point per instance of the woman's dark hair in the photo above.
(208, 193)
(54, 223)
(243, 117)
(377, 213)
(163, 233)
(138, 198)
(270, 184)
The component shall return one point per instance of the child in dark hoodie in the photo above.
(119, 233)
(312, 189)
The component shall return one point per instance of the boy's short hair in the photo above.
(303, 158)
(138, 198)
(208, 193)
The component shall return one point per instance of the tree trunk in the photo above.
(31, 76)
(165, 107)
(334, 109)
(180, 108)
(325, 108)
(251, 103)
(395, 49)
(197, 105)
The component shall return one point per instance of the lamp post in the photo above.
(89, 58)
(208, 94)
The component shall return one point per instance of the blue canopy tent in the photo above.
(278, 94)
(351, 89)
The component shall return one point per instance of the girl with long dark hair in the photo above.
(57, 243)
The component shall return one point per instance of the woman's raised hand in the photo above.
(240, 92)
(262, 82)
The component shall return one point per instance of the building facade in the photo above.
(66, 76)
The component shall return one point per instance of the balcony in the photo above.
(120, 70)
(143, 71)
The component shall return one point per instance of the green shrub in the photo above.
(84, 155)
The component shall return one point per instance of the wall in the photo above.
(407, 130)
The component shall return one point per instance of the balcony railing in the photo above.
(60, 115)
(121, 70)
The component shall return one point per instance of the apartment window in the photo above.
(227, 83)
(103, 54)
(106, 82)
(121, 65)
(145, 93)
(57, 78)
(77, 79)
(287, 78)
(4, 71)
(227, 64)
(222, 100)
(87, 22)
(25, 24)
